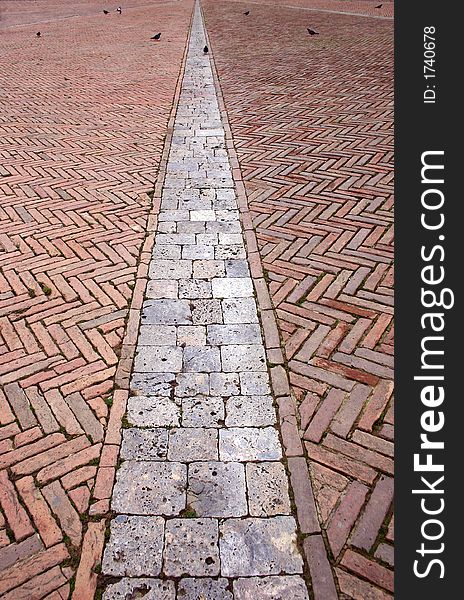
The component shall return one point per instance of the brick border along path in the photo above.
(202, 493)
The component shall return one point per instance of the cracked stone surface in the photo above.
(202, 495)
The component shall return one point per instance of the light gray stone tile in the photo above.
(267, 486)
(217, 489)
(237, 268)
(224, 384)
(171, 269)
(148, 589)
(158, 359)
(255, 384)
(150, 488)
(191, 335)
(250, 411)
(127, 535)
(157, 335)
(206, 312)
(167, 312)
(202, 411)
(144, 444)
(240, 310)
(191, 548)
(247, 443)
(198, 252)
(230, 251)
(252, 547)
(189, 444)
(191, 384)
(162, 289)
(194, 288)
(208, 589)
(203, 359)
(153, 411)
(244, 357)
(240, 333)
(275, 587)
(206, 269)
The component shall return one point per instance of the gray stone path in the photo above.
(202, 501)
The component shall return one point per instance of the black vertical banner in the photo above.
(429, 365)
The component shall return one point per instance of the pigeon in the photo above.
(205, 49)
(156, 36)
(38, 34)
(246, 13)
(106, 12)
(312, 32)
(119, 10)
(379, 6)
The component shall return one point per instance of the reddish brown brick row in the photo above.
(85, 112)
(312, 123)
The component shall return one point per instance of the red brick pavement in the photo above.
(85, 109)
(311, 119)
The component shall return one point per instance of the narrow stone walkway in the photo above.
(201, 496)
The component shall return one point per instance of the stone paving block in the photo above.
(267, 486)
(164, 252)
(238, 287)
(153, 411)
(230, 251)
(202, 411)
(202, 215)
(197, 227)
(208, 239)
(245, 357)
(237, 268)
(157, 335)
(250, 411)
(224, 384)
(198, 252)
(252, 547)
(191, 335)
(191, 384)
(204, 359)
(150, 488)
(171, 269)
(191, 548)
(144, 444)
(152, 384)
(189, 444)
(224, 227)
(166, 311)
(127, 535)
(157, 290)
(282, 587)
(217, 489)
(206, 312)
(255, 384)
(194, 288)
(206, 269)
(148, 589)
(205, 589)
(240, 333)
(247, 443)
(158, 359)
(239, 310)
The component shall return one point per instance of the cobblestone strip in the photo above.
(201, 497)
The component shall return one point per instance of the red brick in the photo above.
(15, 514)
(322, 580)
(92, 549)
(39, 510)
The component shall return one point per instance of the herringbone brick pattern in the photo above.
(311, 119)
(84, 115)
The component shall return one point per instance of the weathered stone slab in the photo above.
(249, 443)
(284, 587)
(191, 548)
(267, 487)
(144, 444)
(217, 489)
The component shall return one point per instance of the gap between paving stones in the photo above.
(208, 306)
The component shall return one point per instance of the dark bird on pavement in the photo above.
(379, 6)
(156, 36)
(312, 32)
(106, 12)
(205, 49)
(246, 13)
(119, 10)
(38, 34)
